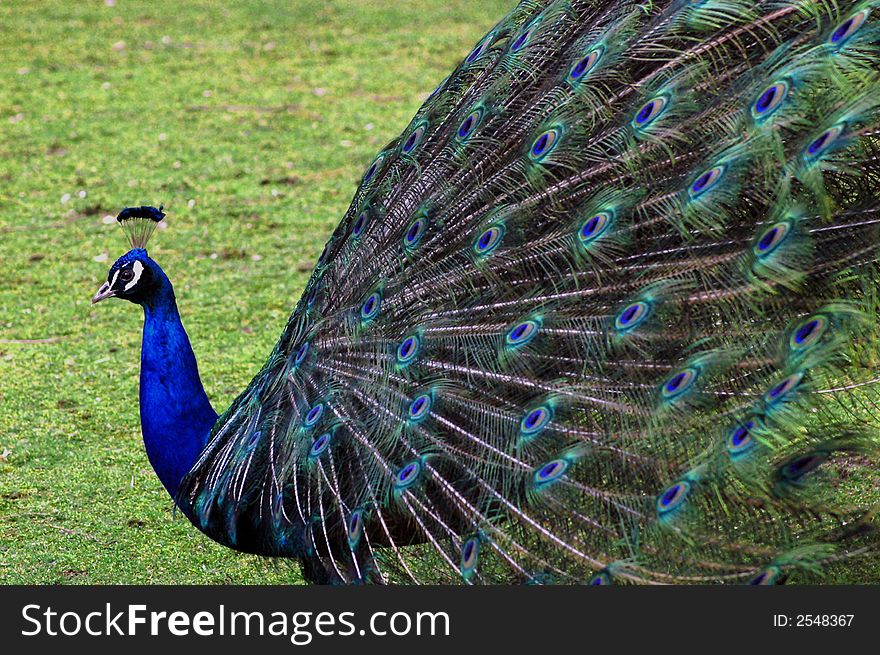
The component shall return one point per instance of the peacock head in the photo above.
(134, 276)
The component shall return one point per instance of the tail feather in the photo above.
(606, 311)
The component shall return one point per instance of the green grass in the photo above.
(252, 124)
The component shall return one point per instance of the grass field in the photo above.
(252, 123)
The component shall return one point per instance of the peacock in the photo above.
(605, 312)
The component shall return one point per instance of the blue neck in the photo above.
(176, 415)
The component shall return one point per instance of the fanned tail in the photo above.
(606, 311)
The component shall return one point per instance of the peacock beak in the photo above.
(104, 292)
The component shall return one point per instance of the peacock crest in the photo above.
(139, 223)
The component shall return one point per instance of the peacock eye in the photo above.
(522, 39)
(420, 407)
(808, 332)
(632, 316)
(469, 124)
(406, 476)
(673, 497)
(536, 420)
(544, 144)
(586, 64)
(770, 99)
(522, 333)
(771, 239)
(489, 240)
(593, 227)
(480, 48)
(650, 111)
(740, 439)
(415, 137)
(707, 180)
(679, 383)
(371, 171)
(550, 472)
(847, 28)
(415, 232)
(823, 142)
(126, 275)
(782, 389)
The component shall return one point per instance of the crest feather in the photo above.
(138, 223)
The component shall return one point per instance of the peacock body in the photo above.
(606, 311)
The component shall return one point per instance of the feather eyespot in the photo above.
(808, 333)
(480, 48)
(679, 383)
(360, 223)
(415, 232)
(522, 333)
(354, 528)
(821, 144)
(521, 41)
(407, 475)
(740, 440)
(632, 316)
(601, 579)
(371, 171)
(673, 497)
(470, 553)
(536, 420)
(415, 138)
(847, 28)
(301, 354)
(587, 63)
(253, 439)
(770, 99)
(371, 306)
(550, 472)
(592, 228)
(420, 407)
(650, 111)
(544, 144)
(489, 240)
(779, 391)
(771, 239)
(475, 53)
(706, 181)
(314, 415)
(469, 124)
(798, 467)
(320, 445)
(408, 349)
(767, 577)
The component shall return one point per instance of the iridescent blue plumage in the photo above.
(606, 311)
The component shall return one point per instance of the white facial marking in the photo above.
(113, 281)
(138, 269)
